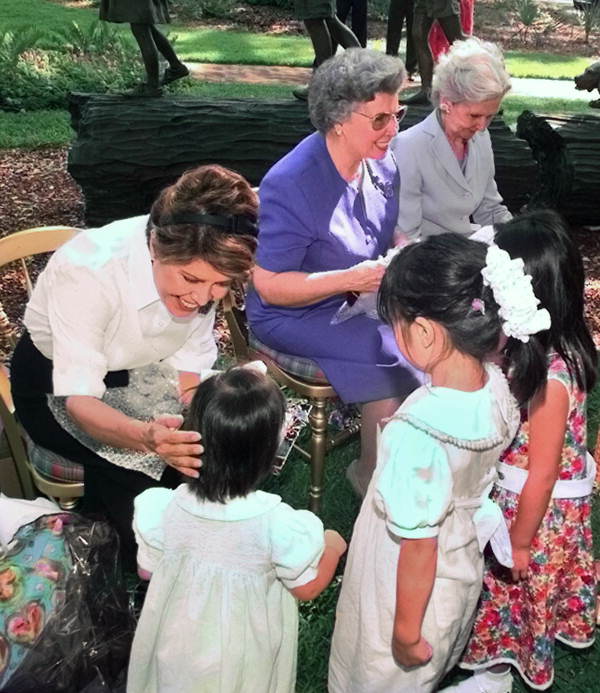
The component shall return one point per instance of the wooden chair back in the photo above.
(20, 247)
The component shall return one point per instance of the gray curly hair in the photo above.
(472, 70)
(352, 77)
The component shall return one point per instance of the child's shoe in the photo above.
(484, 681)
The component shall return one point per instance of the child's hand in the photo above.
(335, 541)
(411, 655)
(521, 558)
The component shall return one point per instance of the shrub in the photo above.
(527, 13)
(97, 37)
(32, 79)
(589, 17)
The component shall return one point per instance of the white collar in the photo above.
(464, 415)
(254, 504)
(141, 278)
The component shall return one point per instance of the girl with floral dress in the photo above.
(415, 565)
(545, 480)
(227, 562)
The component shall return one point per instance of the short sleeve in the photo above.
(148, 511)
(414, 487)
(200, 349)
(297, 543)
(285, 228)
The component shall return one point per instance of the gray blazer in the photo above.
(435, 195)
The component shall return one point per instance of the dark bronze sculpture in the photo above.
(401, 11)
(589, 80)
(447, 13)
(142, 16)
(325, 30)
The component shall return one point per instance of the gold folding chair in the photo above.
(52, 474)
(313, 387)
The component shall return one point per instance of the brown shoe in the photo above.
(173, 73)
(301, 93)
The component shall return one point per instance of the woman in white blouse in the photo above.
(133, 293)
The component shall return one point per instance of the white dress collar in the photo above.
(254, 504)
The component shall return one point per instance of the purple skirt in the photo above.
(351, 353)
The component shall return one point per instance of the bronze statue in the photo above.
(447, 13)
(589, 79)
(142, 15)
(326, 31)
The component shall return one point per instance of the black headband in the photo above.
(234, 223)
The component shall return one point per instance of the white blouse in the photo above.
(95, 308)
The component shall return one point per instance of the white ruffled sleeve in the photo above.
(148, 510)
(297, 544)
(414, 488)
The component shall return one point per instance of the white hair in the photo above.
(472, 70)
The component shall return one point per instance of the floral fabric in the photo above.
(518, 622)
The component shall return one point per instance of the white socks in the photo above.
(484, 681)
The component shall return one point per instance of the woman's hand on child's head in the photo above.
(411, 654)
(335, 541)
(179, 449)
(521, 558)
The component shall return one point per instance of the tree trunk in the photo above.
(567, 149)
(128, 149)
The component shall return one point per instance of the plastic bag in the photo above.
(64, 617)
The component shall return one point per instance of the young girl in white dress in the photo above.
(415, 563)
(227, 561)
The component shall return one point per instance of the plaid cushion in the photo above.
(295, 365)
(52, 465)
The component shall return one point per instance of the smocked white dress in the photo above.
(218, 616)
(436, 463)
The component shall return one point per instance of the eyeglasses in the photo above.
(382, 120)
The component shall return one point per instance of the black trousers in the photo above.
(401, 11)
(358, 19)
(108, 488)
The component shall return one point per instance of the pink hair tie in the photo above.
(478, 305)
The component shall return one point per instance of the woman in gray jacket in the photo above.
(446, 161)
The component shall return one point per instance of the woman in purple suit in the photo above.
(327, 212)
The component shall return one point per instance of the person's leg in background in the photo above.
(447, 13)
(341, 34)
(325, 34)
(411, 63)
(176, 69)
(320, 37)
(359, 21)
(143, 36)
(451, 27)
(401, 11)
(372, 414)
(421, 26)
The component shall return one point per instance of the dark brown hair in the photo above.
(211, 190)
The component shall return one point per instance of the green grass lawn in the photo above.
(544, 65)
(215, 46)
(577, 671)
